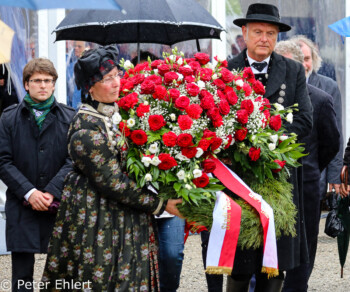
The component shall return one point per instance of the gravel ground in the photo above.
(325, 276)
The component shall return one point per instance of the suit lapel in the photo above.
(277, 75)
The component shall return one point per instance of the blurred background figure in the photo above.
(8, 94)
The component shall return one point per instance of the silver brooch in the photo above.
(282, 93)
(280, 100)
(283, 86)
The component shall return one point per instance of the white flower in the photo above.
(155, 71)
(172, 58)
(180, 61)
(148, 177)
(220, 58)
(181, 174)
(215, 76)
(145, 102)
(197, 173)
(180, 77)
(128, 64)
(116, 118)
(199, 152)
(274, 138)
(284, 137)
(279, 107)
(146, 160)
(155, 161)
(153, 148)
(130, 122)
(239, 82)
(181, 157)
(187, 186)
(272, 146)
(173, 117)
(216, 151)
(201, 84)
(289, 118)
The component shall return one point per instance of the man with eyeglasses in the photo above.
(34, 161)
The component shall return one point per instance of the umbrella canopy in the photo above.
(6, 36)
(341, 27)
(68, 4)
(146, 21)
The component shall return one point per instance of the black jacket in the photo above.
(286, 85)
(30, 158)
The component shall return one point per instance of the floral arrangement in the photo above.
(176, 114)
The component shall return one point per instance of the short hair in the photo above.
(290, 47)
(144, 56)
(316, 58)
(39, 65)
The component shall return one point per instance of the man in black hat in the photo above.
(285, 83)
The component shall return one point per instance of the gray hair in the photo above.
(290, 47)
(316, 58)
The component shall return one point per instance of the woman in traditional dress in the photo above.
(103, 239)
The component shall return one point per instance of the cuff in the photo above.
(161, 207)
(27, 195)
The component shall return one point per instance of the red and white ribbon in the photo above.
(234, 183)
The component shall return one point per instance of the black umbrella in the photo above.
(145, 21)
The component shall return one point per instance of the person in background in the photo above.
(33, 164)
(285, 84)
(104, 232)
(73, 94)
(240, 42)
(321, 145)
(8, 95)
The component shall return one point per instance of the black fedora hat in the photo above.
(259, 12)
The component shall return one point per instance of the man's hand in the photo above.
(172, 209)
(344, 190)
(40, 201)
(336, 187)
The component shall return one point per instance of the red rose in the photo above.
(258, 87)
(204, 93)
(229, 141)
(205, 74)
(142, 109)
(182, 102)
(213, 112)
(266, 103)
(170, 76)
(189, 152)
(275, 122)
(137, 79)
(226, 75)
(157, 80)
(201, 182)
(127, 87)
(248, 74)
(194, 111)
(147, 86)
(217, 121)
(281, 165)
(184, 140)
(207, 102)
(267, 116)
(215, 144)
(185, 122)
(202, 58)
(208, 165)
(240, 134)
(169, 139)
(189, 79)
(174, 94)
(231, 95)
(224, 107)
(142, 67)
(124, 129)
(219, 84)
(129, 101)
(167, 161)
(156, 63)
(242, 116)
(248, 105)
(185, 70)
(163, 68)
(208, 134)
(221, 94)
(247, 89)
(156, 122)
(204, 144)
(254, 153)
(160, 92)
(194, 66)
(139, 137)
(192, 89)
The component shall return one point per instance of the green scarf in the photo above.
(39, 110)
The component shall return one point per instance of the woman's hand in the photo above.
(172, 209)
(344, 190)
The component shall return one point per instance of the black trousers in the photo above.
(22, 271)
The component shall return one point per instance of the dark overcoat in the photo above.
(286, 85)
(331, 173)
(29, 159)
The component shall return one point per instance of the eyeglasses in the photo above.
(39, 81)
(110, 79)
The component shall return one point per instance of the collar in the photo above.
(250, 60)
(103, 108)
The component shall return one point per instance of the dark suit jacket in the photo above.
(331, 87)
(287, 80)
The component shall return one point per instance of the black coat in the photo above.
(286, 84)
(29, 159)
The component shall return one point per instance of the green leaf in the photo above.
(177, 187)
(155, 172)
(170, 177)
